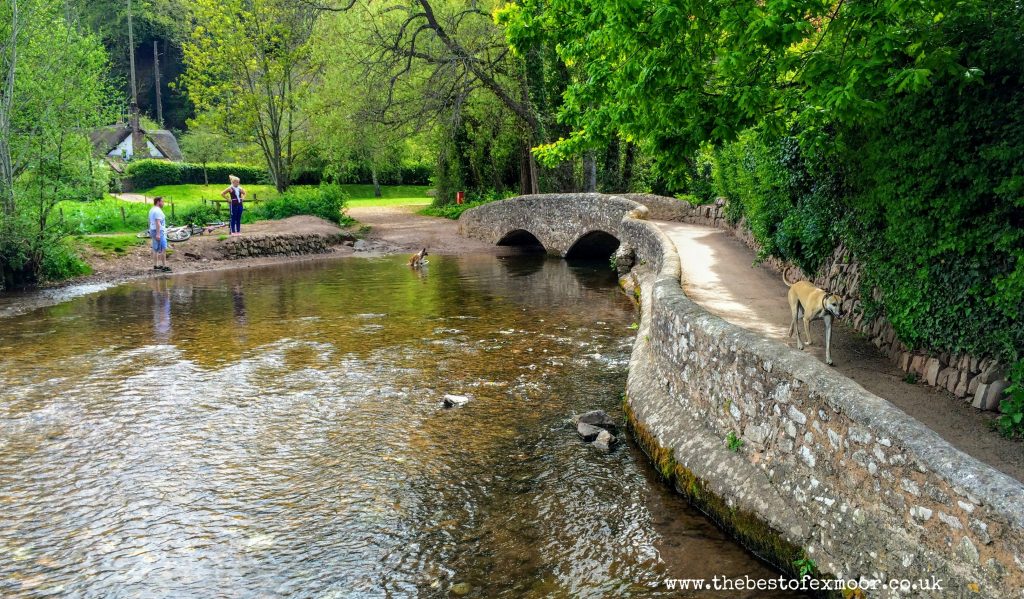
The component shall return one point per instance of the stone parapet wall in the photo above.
(234, 248)
(978, 380)
(819, 463)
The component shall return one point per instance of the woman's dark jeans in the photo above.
(236, 217)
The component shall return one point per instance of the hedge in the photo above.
(152, 173)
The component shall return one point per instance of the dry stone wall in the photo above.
(978, 380)
(235, 248)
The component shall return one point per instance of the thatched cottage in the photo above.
(114, 143)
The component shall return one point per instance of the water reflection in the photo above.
(161, 309)
(308, 455)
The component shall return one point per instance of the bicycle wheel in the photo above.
(179, 234)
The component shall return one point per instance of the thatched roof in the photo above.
(105, 139)
(165, 141)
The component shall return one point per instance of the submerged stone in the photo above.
(588, 432)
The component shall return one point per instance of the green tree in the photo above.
(203, 147)
(250, 67)
(673, 74)
(52, 92)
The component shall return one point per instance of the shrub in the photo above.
(1011, 423)
(61, 261)
(326, 201)
(199, 214)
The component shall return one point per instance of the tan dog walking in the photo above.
(808, 303)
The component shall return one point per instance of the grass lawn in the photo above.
(190, 194)
(391, 195)
(359, 195)
(111, 244)
(111, 215)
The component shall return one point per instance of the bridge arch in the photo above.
(594, 244)
(522, 238)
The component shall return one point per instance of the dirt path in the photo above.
(137, 198)
(399, 228)
(718, 274)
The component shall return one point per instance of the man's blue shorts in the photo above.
(160, 244)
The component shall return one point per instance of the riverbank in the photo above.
(380, 230)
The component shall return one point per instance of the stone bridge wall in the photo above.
(558, 221)
(979, 381)
(816, 465)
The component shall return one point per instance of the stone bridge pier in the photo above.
(569, 225)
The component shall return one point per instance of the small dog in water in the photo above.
(808, 303)
(418, 259)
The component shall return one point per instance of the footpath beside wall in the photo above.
(980, 381)
(797, 460)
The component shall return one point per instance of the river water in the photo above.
(279, 432)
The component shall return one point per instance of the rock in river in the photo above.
(588, 432)
(455, 401)
(597, 418)
(604, 440)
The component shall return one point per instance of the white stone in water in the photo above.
(455, 401)
(604, 440)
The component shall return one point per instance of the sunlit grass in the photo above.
(111, 244)
(112, 215)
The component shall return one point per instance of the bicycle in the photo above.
(184, 232)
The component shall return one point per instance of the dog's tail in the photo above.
(785, 280)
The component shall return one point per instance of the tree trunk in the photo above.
(6, 97)
(156, 74)
(138, 143)
(627, 167)
(524, 171)
(534, 184)
(376, 183)
(589, 172)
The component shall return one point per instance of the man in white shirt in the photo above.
(158, 233)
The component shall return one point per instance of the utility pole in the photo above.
(156, 73)
(138, 145)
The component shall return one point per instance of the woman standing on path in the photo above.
(234, 194)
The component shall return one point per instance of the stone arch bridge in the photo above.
(570, 225)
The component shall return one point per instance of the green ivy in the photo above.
(1011, 422)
